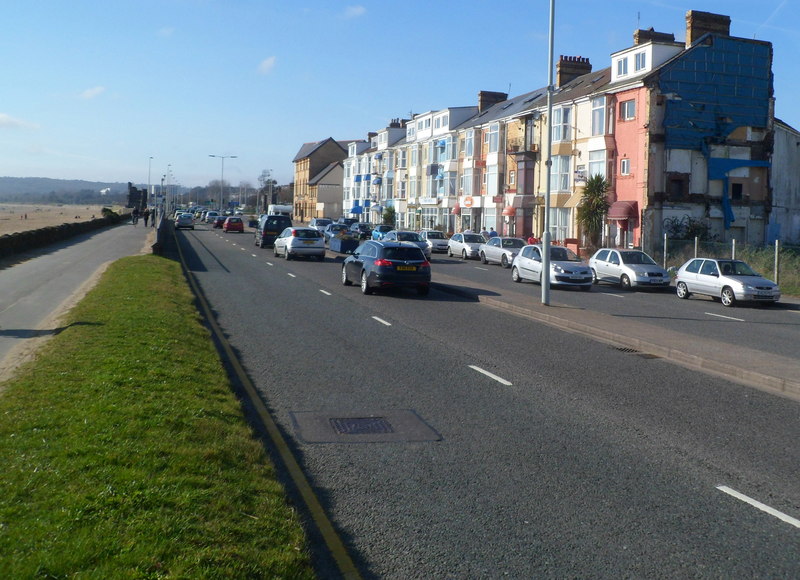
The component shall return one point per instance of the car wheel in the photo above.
(483, 259)
(345, 280)
(463, 254)
(504, 261)
(515, 275)
(594, 277)
(625, 282)
(423, 290)
(728, 297)
(449, 252)
(275, 251)
(365, 289)
(287, 254)
(682, 290)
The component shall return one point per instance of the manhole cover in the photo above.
(361, 425)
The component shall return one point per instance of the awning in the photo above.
(509, 211)
(356, 209)
(574, 200)
(623, 210)
(456, 209)
(378, 208)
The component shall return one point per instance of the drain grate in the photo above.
(361, 425)
(627, 349)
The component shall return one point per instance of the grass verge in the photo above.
(126, 454)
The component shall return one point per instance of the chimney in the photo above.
(488, 98)
(571, 67)
(644, 36)
(699, 23)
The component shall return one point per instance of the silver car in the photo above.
(566, 268)
(300, 241)
(628, 268)
(436, 239)
(501, 250)
(726, 280)
(413, 237)
(464, 245)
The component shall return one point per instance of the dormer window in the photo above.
(640, 59)
(622, 67)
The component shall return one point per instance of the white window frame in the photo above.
(599, 116)
(561, 124)
(597, 163)
(622, 66)
(624, 166)
(559, 172)
(493, 137)
(627, 110)
(640, 61)
(469, 143)
(466, 182)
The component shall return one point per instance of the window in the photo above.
(640, 59)
(622, 67)
(625, 167)
(469, 144)
(627, 110)
(466, 182)
(414, 156)
(599, 116)
(401, 159)
(493, 137)
(597, 163)
(491, 180)
(401, 189)
(451, 149)
(561, 118)
(736, 191)
(559, 173)
(512, 177)
(559, 223)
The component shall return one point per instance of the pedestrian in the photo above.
(146, 215)
(492, 233)
(532, 239)
(484, 233)
(468, 231)
(135, 215)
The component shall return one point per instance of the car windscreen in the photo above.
(408, 237)
(403, 254)
(636, 258)
(560, 254)
(307, 234)
(473, 238)
(736, 268)
(513, 243)
(435, 235)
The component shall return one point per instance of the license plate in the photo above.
(764, 294)
(308, 242)
(407, 268)
(576, 276)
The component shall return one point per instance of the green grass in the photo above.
(126, 454)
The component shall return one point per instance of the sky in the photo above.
(134, 90)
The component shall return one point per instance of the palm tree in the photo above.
(593, 208)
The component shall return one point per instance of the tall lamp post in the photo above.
(222, 158)
(545, 279)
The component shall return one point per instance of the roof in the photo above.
(308, 149)
(321, 175)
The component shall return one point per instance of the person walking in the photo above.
(484, 233)
(146, 215)
(135, 215)
(492, 233)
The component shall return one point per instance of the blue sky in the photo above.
(93, 90)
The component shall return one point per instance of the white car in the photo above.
(725, 280)
(566, 268)
(501, 250)
(300, 241)
(464, 245)
(412, 237)
(628, 268)
(184, 220)
(436, 239)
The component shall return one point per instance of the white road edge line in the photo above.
(763, 507)
(290, 274)
(479, 268)
(254, 255)
(325, 292)
(614, 295)
(270, 264)
(500, 380)
(382, 321)
(723, 316)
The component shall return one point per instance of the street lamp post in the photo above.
(222, 158)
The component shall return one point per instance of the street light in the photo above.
(222, 158)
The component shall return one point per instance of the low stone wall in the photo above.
(18, 242)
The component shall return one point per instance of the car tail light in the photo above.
(383, 262)
(425, 264)
(294, 233)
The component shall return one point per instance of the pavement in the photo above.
(772, 373)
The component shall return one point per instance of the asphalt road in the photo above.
(449, 440)
(44, 283)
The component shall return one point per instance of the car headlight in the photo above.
(558, 269)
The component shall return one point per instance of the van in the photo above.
(275, 209)
(269, 227)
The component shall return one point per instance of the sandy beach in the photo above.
(22, 217)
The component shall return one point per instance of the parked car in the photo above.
(380, 265)
(726, 280)
(566, 268)
(332, 230)
(184, 220)
(464, 245)
(320, 223)
(628, 268)
(347, 221)
(436, 239)
(233, 224)
(412, 237)
(210, 216)
(379, 231)
(500, 250)
(268, 228)
(218, 221)
(300, 241)
(361, 230)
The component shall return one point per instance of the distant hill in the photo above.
(17, 187)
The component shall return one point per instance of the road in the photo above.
(45, 283)
(450, 440)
